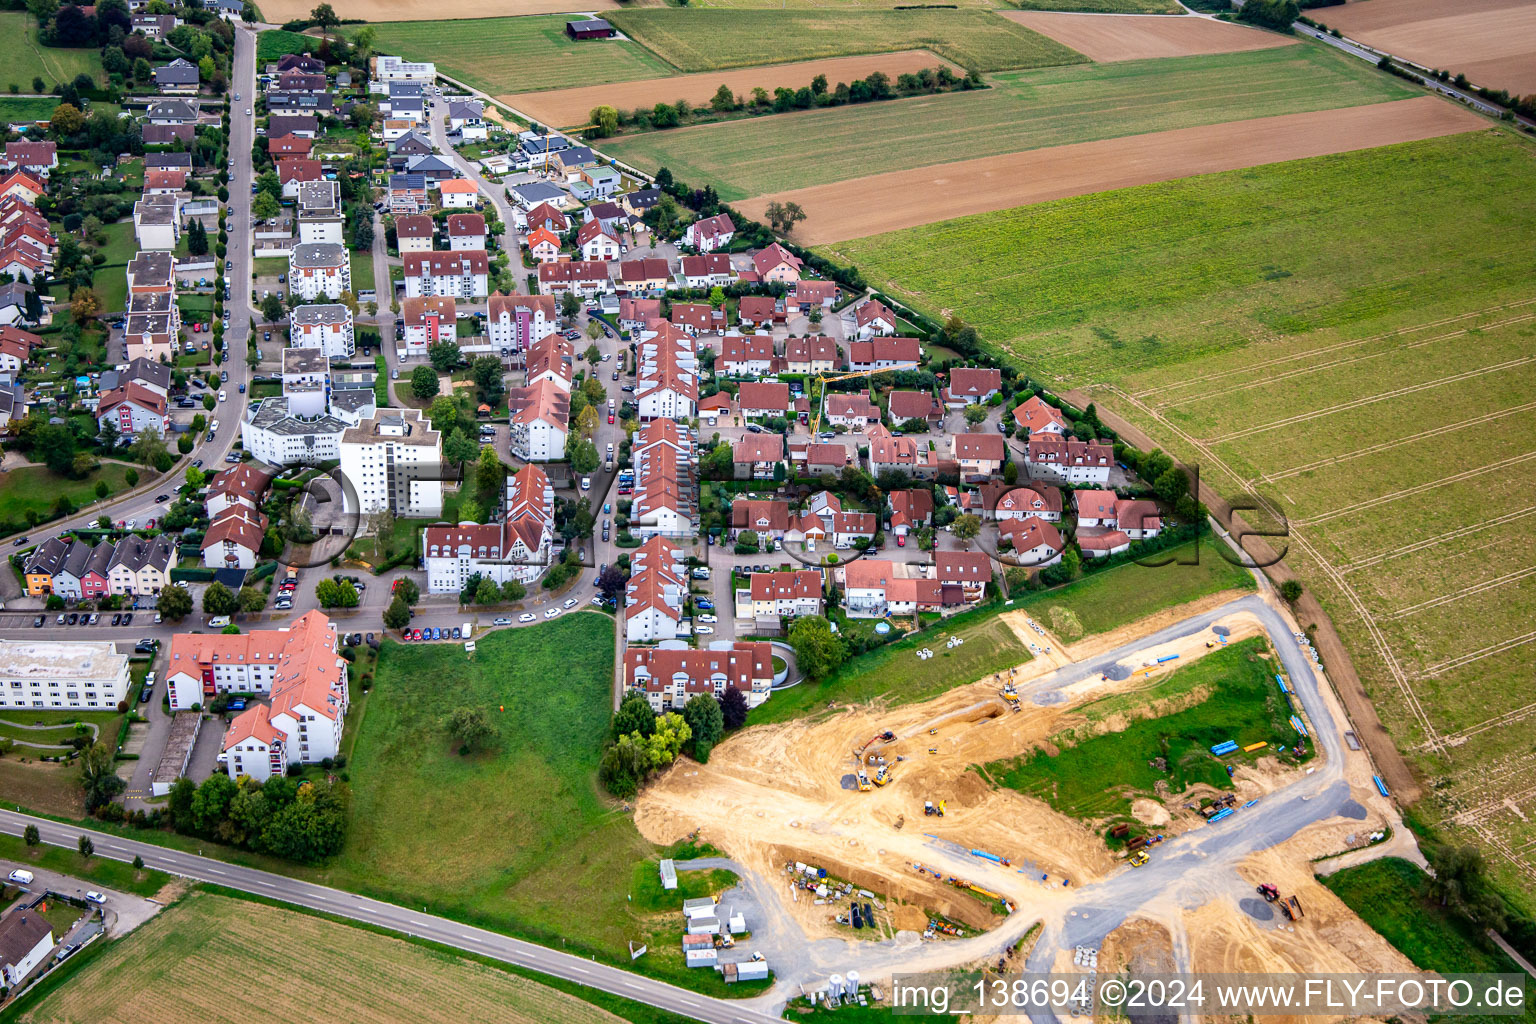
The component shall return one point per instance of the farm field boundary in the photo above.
(1109, 38)
(884, 202)
(278, 11)
(570, 106)
(1021, 110)
(1492, 42)
(713, 40)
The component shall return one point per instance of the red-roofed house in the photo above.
(22, 185)
(597, 242)
(132, 409)
(776, 264)
(466, 231)
(766, 517)
(233, 539)
(708, 271)
(763, 399)
(756, 455)
(759, 311)
(854, 411)
(969, 570)
(670, 678)
(872, 318)
(711, 233)
(36, 158)
(913, 405)
(971, 384)
(1035, 417)
(816, 354)
(1068, 460)
(543, 245)
(295, 171)
(910, 509)
(517, 548)
(774, 595)
(979, 454)
(745, 355)
(808, 295)
(1034, 541)
(884, 353)
(636, 313)
(697, 318)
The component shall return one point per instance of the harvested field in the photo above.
(278, 11)
(1107, 38)
(1021, 110)
(570, 106)
(503, 55)
(706, 40)
(1492, 42)
(1361, 362)
(884, 202)
(321, 971)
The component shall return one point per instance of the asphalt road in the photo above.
(387, 915)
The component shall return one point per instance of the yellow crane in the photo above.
(823, 379)
(563, 131)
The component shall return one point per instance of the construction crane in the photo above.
(563, 131)
(824, 380)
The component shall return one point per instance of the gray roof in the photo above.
(466, 109)
(272, 414)
(577, 155)
(157, 374)
(286, 124)
(149, 302)
(304, 360)
(184, 110)
(538, 192)
(20, 933)
(154, 210)
(178, 72)
(151, 265)
(427, 162)
(323, 313)
(318, 254)
(407, 182)
(405, 90)
(136, 552)
(354, 400)
(48, 556)
(317, 198)
(14, 294)
(167, 161)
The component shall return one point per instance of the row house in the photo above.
(463, 275)
(583, 277)
(776, 595)
(655, 592)
(710, 271)
(672, 676)
(1068, 460)
(131, 566)
(466, 232)
(884, 353)
(744, 355)
(649, 276)
(666, 378)
(516, 548)
(815, 354)
(415, 232)
(665, 500)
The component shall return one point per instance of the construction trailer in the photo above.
(703, 906)
(668, 874)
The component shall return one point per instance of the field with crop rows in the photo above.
(1023, 110)
(1352, 337)
(710, 40)
(283, 965)
(506, 55)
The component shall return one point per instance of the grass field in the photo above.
(1023, 110)
(1360, 357)
(36, 488)
(1118, 596)
(1393, 897)
(895, 673)
(711, 40)
(362, 271)
(1229, 694)
(506, 55)
(21, 108)
(161, 972)
(114, 874)
(25, 58)
(274, 44)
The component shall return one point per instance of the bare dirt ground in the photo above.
(278, 11)
(1105, 37)
(905, 199)
(1492, 42)
(570, 106)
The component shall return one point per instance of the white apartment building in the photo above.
(324, 326)
(62, 674)
(462, 275)
(517, 548)
(320, 215)
(515, 322)
(393, 460)
(319, 269)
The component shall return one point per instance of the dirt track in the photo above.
(906, 199)
(1492, 42)
(570, 106)
(1107, 37)
(278, 11)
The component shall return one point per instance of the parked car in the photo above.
(552, 613)
(503, 621)
(37, 623)
(527, 617)
(95, 897)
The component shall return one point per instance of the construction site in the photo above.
(890, 802)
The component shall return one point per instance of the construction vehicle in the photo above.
(942, 808)
(929, 808)
(883, 776)
(1290, 906)
(933, 750)
(863, 780)
(1139, 858)
(1269, 892)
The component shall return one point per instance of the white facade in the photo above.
(271, 434)
(319, 270)
(393, 461)
(62, 674)
(327, 327)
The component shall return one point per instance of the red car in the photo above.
(610, 417)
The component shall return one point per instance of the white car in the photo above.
(501, 622)
(570, 602)
(132, 523)
(708, 618)
(247, 111)
(552, 613)
(701, 573)
(20, 877)
(527, 617)
(703, 630)
(96, 897)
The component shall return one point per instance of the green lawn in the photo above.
(119, 246)
(36, 488)
(507, 55)
(275, 44)
(17, 108)
(1393, 896)
(269, 266)
(711, 40)
(1229, 694)
(896, 674)
(1110, 598)
(114, 874)
(25, 57)
(362, 271)
(1023, 110)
